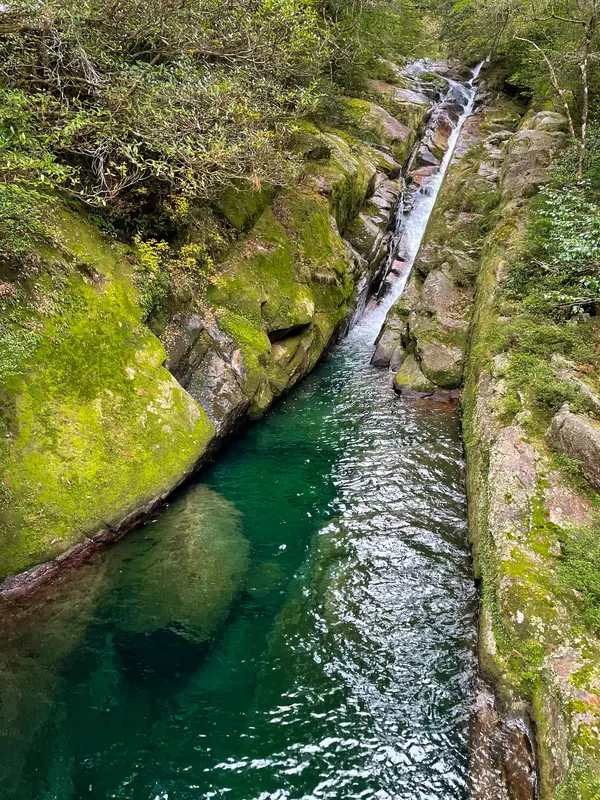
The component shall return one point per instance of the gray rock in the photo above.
(215, 385)
(409, 299)
(441, 363)
(439, 294)
(368, 238)
(426, 158)
(526, 167)
(389, 349)
(551, 121)
(577, 437)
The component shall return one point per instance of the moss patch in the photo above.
(290, 278)
(93, 426)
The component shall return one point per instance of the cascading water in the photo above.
(300, 623)
(412, 218)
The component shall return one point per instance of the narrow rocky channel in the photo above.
(300, 622)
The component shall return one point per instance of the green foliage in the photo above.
(530, 373)
(127, 103)
(559, 274)
(535, 376)
(169, 275)
(365, 31)
(554, 30)
(580, 570)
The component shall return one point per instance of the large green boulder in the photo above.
(93, 428)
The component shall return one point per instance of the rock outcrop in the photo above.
(535, 648)
(437, 304)
(577, 437)
(101, 418)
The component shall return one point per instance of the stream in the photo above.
(300, 622)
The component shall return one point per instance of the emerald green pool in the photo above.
(299, 623)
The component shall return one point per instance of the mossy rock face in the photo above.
(347, 176)
(372, 123)
(94, 428)
(242, 205)
(282, 294)
(537, 645)
(367, 238)
(406, 105)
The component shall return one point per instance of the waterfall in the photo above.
(411, 222)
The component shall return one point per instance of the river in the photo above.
(298, 623)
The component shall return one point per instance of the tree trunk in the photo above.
(589, 35)
(555, 83)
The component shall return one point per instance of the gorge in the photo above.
(299, 501)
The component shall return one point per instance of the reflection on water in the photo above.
(300, 624)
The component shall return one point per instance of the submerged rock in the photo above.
(502, 761)
(187, 572)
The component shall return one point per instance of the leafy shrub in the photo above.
(21, 226)
(167, 273)
(126, 103)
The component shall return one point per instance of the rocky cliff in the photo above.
(104, 410)
(527, 514)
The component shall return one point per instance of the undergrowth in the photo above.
(552, 297)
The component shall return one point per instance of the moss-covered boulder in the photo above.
(346, 177)
(410, 378)
(409, 106)
(242, 204)
(441, 363)
(290, 278)
(373, 123)
(93, 427)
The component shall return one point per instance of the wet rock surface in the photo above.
(389, 350)
(502, 758)
(438, 302)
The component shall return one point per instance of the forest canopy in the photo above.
(176, 97)
(124, 102)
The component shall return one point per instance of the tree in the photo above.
(551, 42)
(584, 16)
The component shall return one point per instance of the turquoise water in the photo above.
(299, 623)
